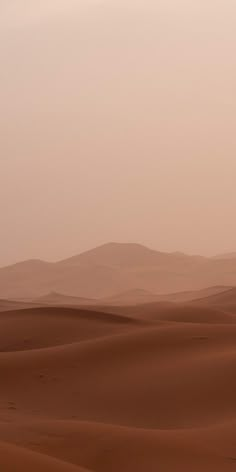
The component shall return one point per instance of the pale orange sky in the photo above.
(117, 123)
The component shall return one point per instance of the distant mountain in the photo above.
(114, 269)
(126, 255)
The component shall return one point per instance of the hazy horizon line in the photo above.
(119, 243)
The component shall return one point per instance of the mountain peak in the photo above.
(115, 254)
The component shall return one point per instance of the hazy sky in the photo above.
(117, 123)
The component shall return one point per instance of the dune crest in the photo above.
(124, 388)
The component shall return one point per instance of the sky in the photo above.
(117, 123)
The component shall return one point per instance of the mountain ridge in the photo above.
(113, 268)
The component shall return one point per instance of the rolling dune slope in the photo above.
(225, 300)
(147, 387)
(13, 459)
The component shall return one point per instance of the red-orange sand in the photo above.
(142, 388)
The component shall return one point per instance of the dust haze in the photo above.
(117, 124)
(118, 236)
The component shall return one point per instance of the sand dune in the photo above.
(126, 298)
(35, 328)
(224, 300)
(13, 459)
(9, 305)
(105, 447)
(131, 297)
(126, 379)
(118, 388)
(188, 296)
(141, 296)
(54, 299)
(170, 311)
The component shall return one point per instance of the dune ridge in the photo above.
(134, 380)
(132, 388)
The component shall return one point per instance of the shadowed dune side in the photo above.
(102, 448)
(131, 297)
(11, 305)
(225, 300)
(141, 297)
(58, 299)
(187, 314)
(190, 296)
(170, 311)
(118, 388)
(177, 376)
(14, 459)
(41, 327)
(148, 387)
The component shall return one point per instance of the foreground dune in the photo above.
(102, 447)
(48, 326)
(143, 388)
(13, 459)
